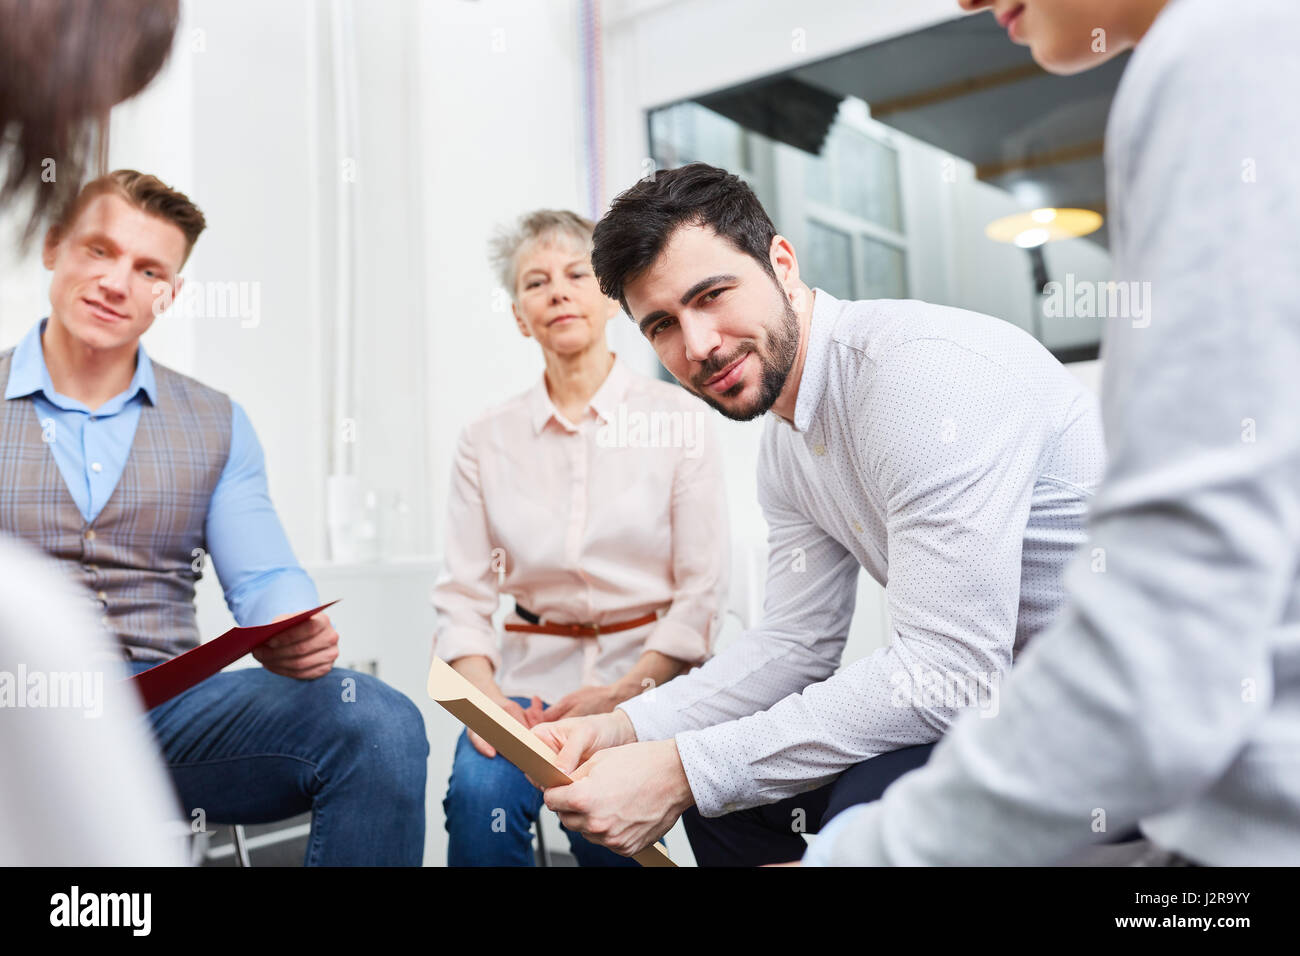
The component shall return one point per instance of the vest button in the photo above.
(104, 620)
(90, 534)
(102, 596)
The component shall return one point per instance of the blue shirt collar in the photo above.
(28, 374)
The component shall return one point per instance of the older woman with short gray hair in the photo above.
(610, 537)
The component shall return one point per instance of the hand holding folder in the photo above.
(512, 740)
(162, 683)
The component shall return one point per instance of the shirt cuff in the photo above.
(288, 592)
(650, 720)
(822, 852)
(678, 641)
(460, 641)
(716, 786)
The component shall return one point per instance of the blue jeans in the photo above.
(250, 746)
(491, 807)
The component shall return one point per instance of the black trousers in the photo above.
(773, 833)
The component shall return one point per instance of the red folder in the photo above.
(162, 683)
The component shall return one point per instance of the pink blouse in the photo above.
(597, 522)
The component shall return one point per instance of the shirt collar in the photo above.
(29, 374)
(812, 381)
(604, 402)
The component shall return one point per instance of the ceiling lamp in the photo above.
(1029, 230)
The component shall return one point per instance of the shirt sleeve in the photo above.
(467, 592)
(956, 476)
(822, 848)
(1134, 701)
(250, 552)
(807, 608)
(700, 554)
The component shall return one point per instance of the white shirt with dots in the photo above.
(950, 455)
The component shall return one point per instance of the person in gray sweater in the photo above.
(1167, 693)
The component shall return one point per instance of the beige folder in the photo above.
(513, 740)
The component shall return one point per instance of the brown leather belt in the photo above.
(538, 626)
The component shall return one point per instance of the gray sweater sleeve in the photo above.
(1160, 667)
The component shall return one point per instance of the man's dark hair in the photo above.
(66, 64)
(630, 237)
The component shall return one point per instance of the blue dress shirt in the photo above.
(249, 550)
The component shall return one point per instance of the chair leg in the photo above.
(543, 859)
(198, 847)
(241, 850)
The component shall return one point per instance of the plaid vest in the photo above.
(141, 556)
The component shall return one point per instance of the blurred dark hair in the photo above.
(66, 64)
(630, 237)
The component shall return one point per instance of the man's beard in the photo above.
(775, 368)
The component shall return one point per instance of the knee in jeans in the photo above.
(381, 727)
(486, 792)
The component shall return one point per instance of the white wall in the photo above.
(501, 136)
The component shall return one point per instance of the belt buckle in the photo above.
(577, 630)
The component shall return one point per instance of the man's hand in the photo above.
(577, 738)
(526, 717)
(625, 798)
(305, 651)
(587, 700)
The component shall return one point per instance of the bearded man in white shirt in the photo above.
(945, 452)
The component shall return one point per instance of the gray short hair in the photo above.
(540, 225)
